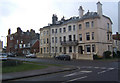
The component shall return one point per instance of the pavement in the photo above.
(32, 73)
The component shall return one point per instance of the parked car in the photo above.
(30, 56)
(3, 56)
(63, 57)
(11, 55)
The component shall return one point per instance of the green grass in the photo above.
(43, 63)
(22, 67)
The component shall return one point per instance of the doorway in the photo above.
(80, 49)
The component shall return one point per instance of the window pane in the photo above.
(70, 38)
(92, 24)
(107, 26)
(70, 49)
(88, 48)
(52, 30)
(64, 38)
(80, 26)
(60, 49)
(80, 36)
(52, 39)
(60, 30)
(73, 27)
(64, 29)
(74, 37)
(92, 35)
(56, 39)
(56, 31)
(93, 48)
(69, 28)
(60, 39)
(87, 36)
(87, 24)
(56, 49)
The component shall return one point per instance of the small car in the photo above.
(3, 56)
(11, 55)
(63, 57)
(31, 56)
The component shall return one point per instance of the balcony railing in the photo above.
(69, 43)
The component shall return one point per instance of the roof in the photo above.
(107, 18)
(32, 42)
(116, 36)
(88, 15)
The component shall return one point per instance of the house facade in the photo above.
(45, 41)
(82, 36)
(22, 43)
(116, 42)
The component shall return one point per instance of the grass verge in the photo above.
(43, 63)
(22, 67)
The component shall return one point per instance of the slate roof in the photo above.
(88, 15)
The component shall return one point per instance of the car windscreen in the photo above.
(4, 54)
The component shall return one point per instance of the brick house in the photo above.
(116, 42)
(22, 43)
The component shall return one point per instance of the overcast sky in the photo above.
(35, 14)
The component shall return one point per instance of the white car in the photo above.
(31, 56)
(3, 56)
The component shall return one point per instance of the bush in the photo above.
(96, 57)
(114, 55)
(11, 63)
(118, 54)
(107, 54)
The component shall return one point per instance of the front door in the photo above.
(80, 49)
(41, 50)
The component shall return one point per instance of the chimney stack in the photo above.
(99, 8)
(81, 11)
(54, 19)
(9, 31)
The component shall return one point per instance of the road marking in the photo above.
(77, 73)
(86, 71)
(101, 72)
(96, 67)
(77, 79)
(103, 67)
(111, 68)
(70, 74)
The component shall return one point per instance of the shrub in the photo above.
(96, 57)
(118, 54)
(115, 55)
(107, 54)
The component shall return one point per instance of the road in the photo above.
(87, 71)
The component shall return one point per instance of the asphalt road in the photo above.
(87, 71)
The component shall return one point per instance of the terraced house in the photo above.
(80, 37)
